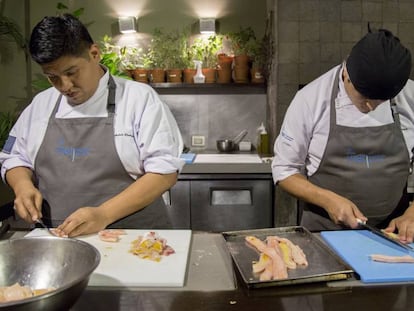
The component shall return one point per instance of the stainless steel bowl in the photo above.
(225, 145)
(43, 262)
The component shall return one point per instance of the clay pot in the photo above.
(224, 75)
(241, 74)
(130, 73)
(224, 71)
(210, 74)
(140, 75)
(241, 60)
(224, 61)
(157, 75)
(188, 75)
(174, 75)
(257, 75)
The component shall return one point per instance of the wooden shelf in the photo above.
(209, 88)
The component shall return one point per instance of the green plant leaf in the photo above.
(61, 6)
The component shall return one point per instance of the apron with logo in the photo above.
(368, 165)
(77, 165)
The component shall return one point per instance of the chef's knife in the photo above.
(384, 235)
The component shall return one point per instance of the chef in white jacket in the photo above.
(346, 141)
(93, 151)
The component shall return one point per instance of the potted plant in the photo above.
(132, 62)
(189, 66)
(175, 44)
(224, 68)
(155, 57)
(242, 42)
(206, 50)
(259, 61)
(110, 57)
(167, 52)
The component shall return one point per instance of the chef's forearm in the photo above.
(19, 178)
(138, 195)
(298, 186)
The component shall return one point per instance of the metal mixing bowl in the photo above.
(225, 145)
(43, 262)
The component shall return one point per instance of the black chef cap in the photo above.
(379, 65)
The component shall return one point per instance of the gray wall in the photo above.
(315, 35)
(217, 116)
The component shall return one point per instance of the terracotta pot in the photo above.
(257, 75)
(241, 74)
(241, 60)
(224, 61)
(157, 75)
(174, 75)
(224, 75)
(210, 74)
(140, 75)
(188, 75)
(130, 73)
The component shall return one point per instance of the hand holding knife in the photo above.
(384, 235)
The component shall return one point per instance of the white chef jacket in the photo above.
(304, 133)
(147, 137)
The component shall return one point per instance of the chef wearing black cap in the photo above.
(345, 143)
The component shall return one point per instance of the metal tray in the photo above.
(324, 264)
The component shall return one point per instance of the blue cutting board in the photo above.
(188, 157)
(355, 246)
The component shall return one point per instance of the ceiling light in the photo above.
(127, 24)
(207, 26)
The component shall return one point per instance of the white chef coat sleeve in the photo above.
(405, 105)
(291, 146)
(28, 132)
(159, 139)
(13, 153)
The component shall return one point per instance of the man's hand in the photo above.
(405, 226)
(85, 220)
(343, 211)
(28, 201)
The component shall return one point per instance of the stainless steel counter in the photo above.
(211, 285)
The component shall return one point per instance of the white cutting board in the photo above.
(118, 267)
(227, 158)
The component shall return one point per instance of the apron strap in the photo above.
(110, 106)
(111, 95)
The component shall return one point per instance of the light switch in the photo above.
(198, 141)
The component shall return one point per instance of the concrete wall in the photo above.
(217, 116)
(313, 36)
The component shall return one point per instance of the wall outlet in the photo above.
(198, 141)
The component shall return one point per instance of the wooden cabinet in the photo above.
(221, 202)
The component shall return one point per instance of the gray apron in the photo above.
(77, 165)
(368, 165)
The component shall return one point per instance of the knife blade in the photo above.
(385, 236)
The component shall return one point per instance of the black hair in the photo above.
(57, 36)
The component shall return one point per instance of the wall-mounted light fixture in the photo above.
(127, 24)
(207, 26)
